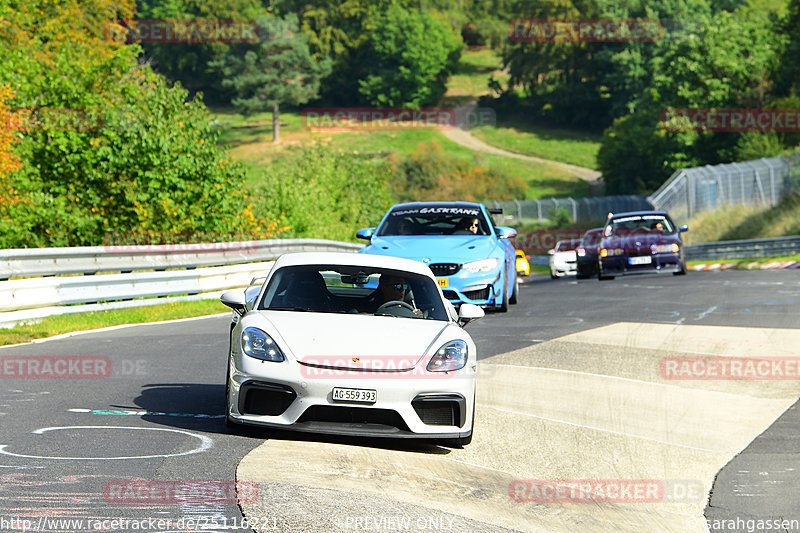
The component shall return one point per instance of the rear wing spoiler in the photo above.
(496, 211)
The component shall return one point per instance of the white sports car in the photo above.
(352, 344)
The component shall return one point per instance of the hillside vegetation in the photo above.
(746, 222)
(105, 137)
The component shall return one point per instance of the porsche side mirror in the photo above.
(469, 312)
(235, 300)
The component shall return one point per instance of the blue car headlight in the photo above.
(259, 345)
(451, 356)
(484, 265)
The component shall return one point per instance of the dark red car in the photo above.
(641, 241)
(588, 253)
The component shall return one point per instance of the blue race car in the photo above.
(473, 260)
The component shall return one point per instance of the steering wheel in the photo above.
(394, 303)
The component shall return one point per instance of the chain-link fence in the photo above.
(688, 191)
(762, 182)
(578, 210)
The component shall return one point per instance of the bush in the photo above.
(323, 194)
(115, 149)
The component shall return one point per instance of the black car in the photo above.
(588, 253)
(641, 241)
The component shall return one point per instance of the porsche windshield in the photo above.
(353, 289)
(436, 220)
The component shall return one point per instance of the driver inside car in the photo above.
(391, 289)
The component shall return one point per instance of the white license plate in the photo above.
(640, 260)
(354, 395)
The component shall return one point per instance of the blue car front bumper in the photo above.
(482, 288)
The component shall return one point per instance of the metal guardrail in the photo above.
(46, 287)
(744, 249)
(27, 262)
(43, 288)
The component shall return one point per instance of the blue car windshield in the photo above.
(440, 220)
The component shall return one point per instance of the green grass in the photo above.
(540, 270)
(56, 325)
(237, 129)
(250, 142)
(576, 148)
(543, 180)
(471, 79)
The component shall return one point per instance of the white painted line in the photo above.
(140, 412)
(707, 312)
(205, 444)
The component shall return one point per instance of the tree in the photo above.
(9, 161)
(111, 147)
(411, 54)
(788, 77)
(188, 62)
(588, 84)
(724, 63)
(633, 154)
(278, 70)
(338, 30)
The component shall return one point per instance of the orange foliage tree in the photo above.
(9, 162)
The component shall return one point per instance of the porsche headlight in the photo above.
(451, 356)
(259, 345)
(484, 265)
